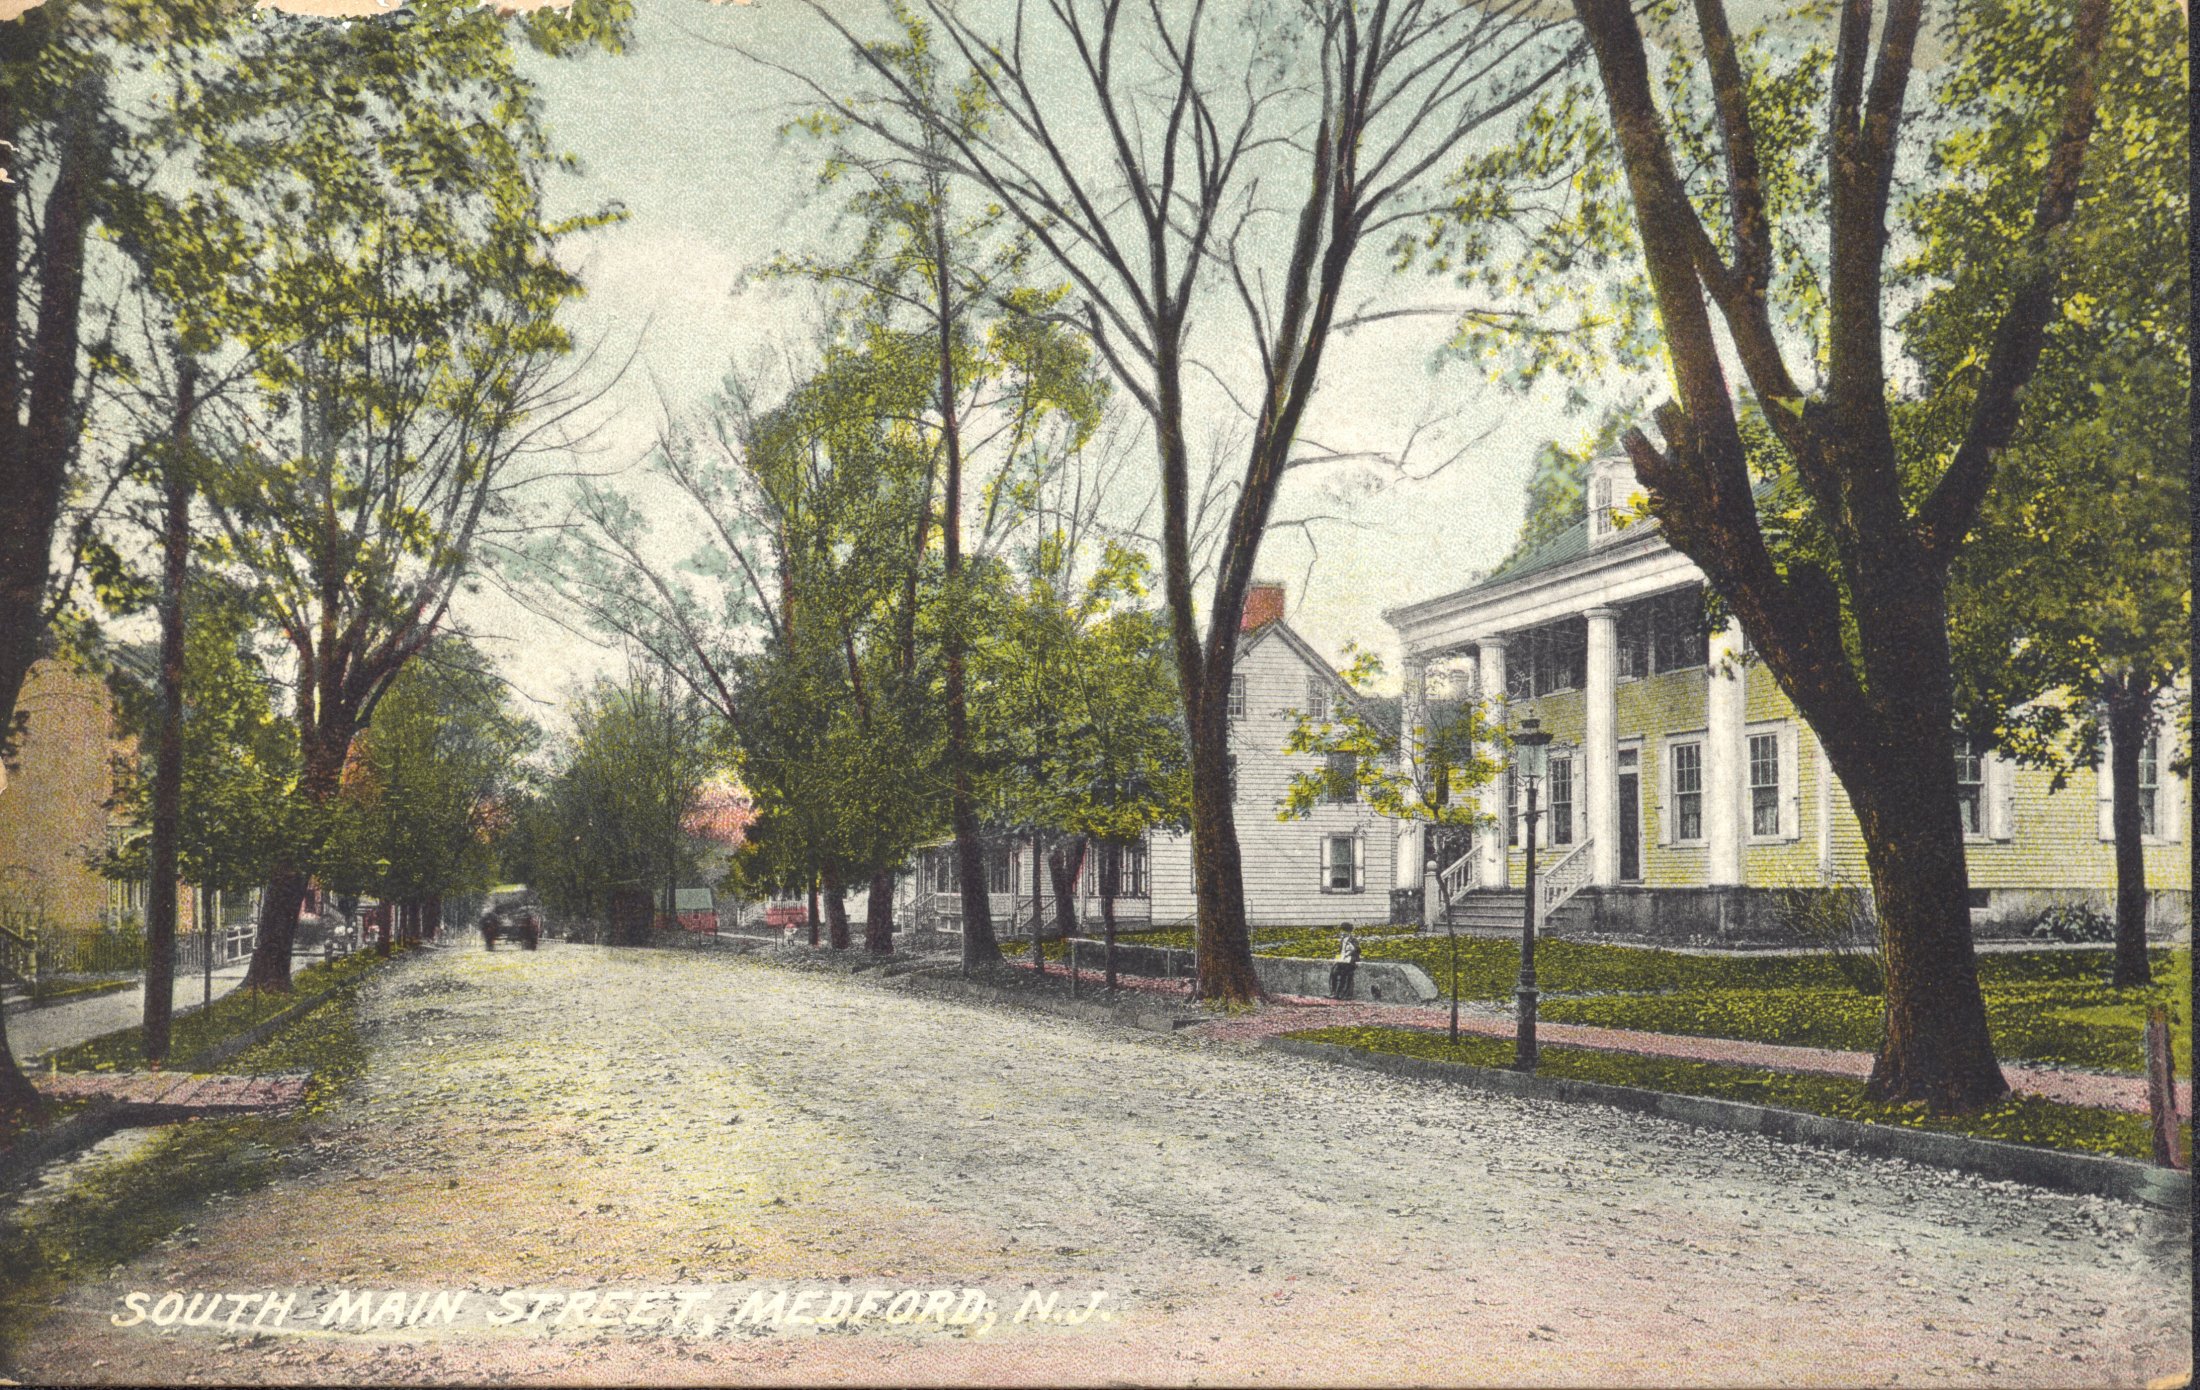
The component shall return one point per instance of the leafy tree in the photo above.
(1193, 121)
(372, 194)
(1122, 771)
(613, 829)
(941, 286)
(240, 757)
(425, 788)
(1733, 170)
(1426, 773)
(2070, 605)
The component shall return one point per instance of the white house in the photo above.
(1333, 866)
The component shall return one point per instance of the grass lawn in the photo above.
(2043, 1006)
(194, 1032)
(116, 1210)
(2018, 1120)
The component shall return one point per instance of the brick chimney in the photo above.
(1263, 605)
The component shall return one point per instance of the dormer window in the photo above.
(1612, 491)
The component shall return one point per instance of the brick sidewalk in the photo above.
(180, 1091)
(1293, 1013)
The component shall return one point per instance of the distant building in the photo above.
(1683, 782)
(1334, 866)
(55, 817)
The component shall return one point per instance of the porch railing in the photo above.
(1568, 874)
(1462, 878)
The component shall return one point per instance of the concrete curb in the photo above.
(1135, 1013)
(2088, 1174)
(255, 1035)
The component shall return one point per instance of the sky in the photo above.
(683, 131)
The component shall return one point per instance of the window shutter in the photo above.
(2168, 801)
(1665, 794)
(1321, 862)
(2105, 791)
(2000, 793)
(1791, 786)
(1359, 862)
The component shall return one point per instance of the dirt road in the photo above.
(672, 1134)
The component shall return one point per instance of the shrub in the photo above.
(2075, 922)
(1839, 921)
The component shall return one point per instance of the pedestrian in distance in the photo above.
(1348, 964)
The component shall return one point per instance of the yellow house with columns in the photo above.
(1683, 784)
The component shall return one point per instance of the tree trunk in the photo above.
(836, 911)
(813, 910)
(1223, 952)
(878, 915)
(1065, 864)
(1111, 882)
(1038, 903)
(270, 968)
(1936, 1047)
(2129, 713)
(630, 913)
(161, 905)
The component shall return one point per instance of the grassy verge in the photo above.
(117, 1210)
(202, 1028)
(2020, 1120)
(2043, 1006)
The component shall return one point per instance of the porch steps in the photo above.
(1489, 910)
(1497, 911)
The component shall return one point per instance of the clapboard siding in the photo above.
(1281, 860)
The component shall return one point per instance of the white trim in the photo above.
(1668, 802)
(1790, 786)
(1627, 568)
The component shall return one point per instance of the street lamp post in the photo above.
(1533, 748)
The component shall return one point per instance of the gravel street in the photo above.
(682, 1130)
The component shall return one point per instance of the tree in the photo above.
(426, 785)
(641, 752)
(235, 768)
(69, 164)
(1426, 772)
(944, 286)
(2069, 607)
(1857, 633)
(1197, 116)
(392, 282)
(1122, 772)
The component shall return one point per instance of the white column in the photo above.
(1490, 690)
(1412, 859)
(1600, 746)
(1825, 812)
(1724, 762)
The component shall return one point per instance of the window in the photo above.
(1541, 660)
(2150, 784)
(1237, 697)
(1560, 780)
(1341, 863)
(1519, 807)
(1764, 784)
(1344, 780)
(1970, 785)
(946, 874)
(1665, 632)
(1317, 699)
(997, 872)
(1132, 872)
(1687, 791)
(1600, 507)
